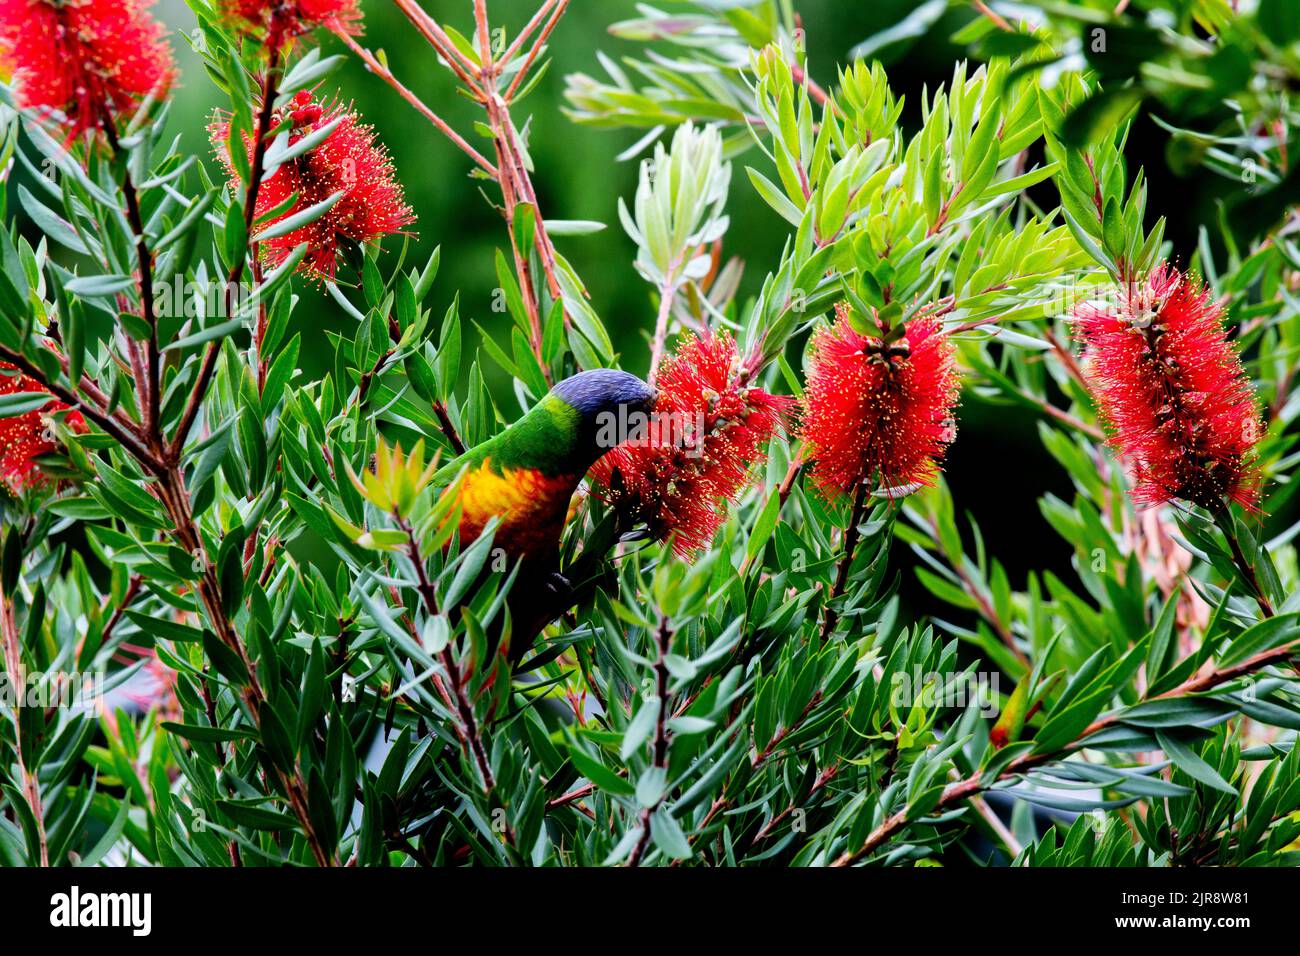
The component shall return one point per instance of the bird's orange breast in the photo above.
(531, 506)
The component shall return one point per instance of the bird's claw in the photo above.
(557, 585)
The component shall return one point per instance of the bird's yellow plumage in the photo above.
(526, 502)
(526, 477)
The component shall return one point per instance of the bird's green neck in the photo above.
(547, 439)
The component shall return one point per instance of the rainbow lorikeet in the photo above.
(526, 477)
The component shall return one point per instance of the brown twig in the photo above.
(842, 569)
(132, 589)
(663, 638)
(517, 188)
(574, 795)
(1068, 361)
(151, 384)
(448, 429)
(522, 37)
(209, 363)
(31, 787)
(823, 778)
(1223, 519)
(536, 48)
(175, 498)
(110, 424)
(779, 737)
(384, 73)
(461, 65)
(975, 784)
(996, 18)
(667, 293)
(510, 170)
(85, 385)
(800, 75)
(1065, 418)
(464, 708)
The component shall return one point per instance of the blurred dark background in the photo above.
(997, 469)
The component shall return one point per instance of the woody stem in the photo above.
(482, 82)
(152, 384)
(14, 666)
(121, 430)
(667, 293)
(175, 498)
(464, 707)
(842, 570)
(663, 642)
(256, 169)
(1223, 520)
(979, 782)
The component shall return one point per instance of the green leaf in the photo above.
(20, 403)
(110, 836)
(573, 227)
(1177, 712)
(640, 727)
(225, 660)
(599, 774)
(1267, 634)
(651, 786)
(256, 818)
(100, 286)
(164, 628)
(467, 568)
(219, 331)
(667, 835)
(774, 197)
(204, 734)
(1099, 116)
(304, 217)
(763, 527)
(1190, 762)
(50, 223)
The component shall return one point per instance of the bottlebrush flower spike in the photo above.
(282, 20)
(1172, 392)
(26, 437)
(153, 687)
(875, 410)
(708, 433)
(349, 161)
(89, 59)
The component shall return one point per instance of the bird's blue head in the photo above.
(612, 407)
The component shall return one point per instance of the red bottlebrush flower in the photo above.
(154, 687)
(26, 437)
(349, 161)
(1172, 392)
(89, 59)
(874, 410)
(707, 435)
(282, 20)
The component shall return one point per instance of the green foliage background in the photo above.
(732, 703)
(578, 176)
